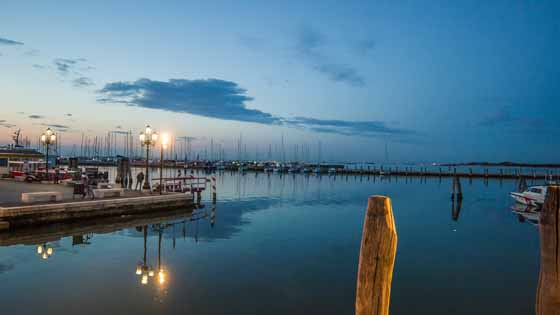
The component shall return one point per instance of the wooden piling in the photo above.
(548, 290)
(456, 190)
(214, 196)
(377, 258)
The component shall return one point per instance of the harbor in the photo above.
(280, 157)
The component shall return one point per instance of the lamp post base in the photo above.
(146, 186)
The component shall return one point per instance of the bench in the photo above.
(102, 193)
(41, 196)
(103, 186)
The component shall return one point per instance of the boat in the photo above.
(533, 196)
(332, 170)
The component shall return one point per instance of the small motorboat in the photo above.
(533, 196)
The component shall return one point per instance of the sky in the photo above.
(398, 81)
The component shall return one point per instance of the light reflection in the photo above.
(45, 251)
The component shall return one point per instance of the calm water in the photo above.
(283, 245)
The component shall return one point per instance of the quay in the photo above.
(17, 214)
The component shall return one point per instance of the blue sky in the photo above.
(435, 80)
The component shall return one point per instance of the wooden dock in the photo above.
(13, 216)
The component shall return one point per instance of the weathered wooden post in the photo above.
(377, 258)
(548, 290)
(213, 216)
(214, 189)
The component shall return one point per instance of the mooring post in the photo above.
(548, 290)
(377, 258)
(214, 189)
(198, 196)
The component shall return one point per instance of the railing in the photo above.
(182, 184)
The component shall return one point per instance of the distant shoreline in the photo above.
(505, 164)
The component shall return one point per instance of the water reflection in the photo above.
(45, 251)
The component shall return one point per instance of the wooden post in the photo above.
(377, 258)
(548, 290)
(214, 189)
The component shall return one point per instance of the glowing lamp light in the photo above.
(138, 270)
(142, 137)
(154, 136)
(53, 138)
(151, 273)
(43, 138)
(49, 251)
(39, 249)
(45, 256)
(49, 132)
(144, 279)
(161, 277)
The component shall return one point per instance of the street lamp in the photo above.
(164, 142)
(48, 138)
(148, 138)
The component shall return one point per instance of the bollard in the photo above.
(377, 258)
(548, 289)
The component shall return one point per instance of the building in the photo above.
(16, 154)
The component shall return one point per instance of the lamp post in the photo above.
(148, 137)
(164, 142)
(48, 138)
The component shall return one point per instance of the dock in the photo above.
(19, 215)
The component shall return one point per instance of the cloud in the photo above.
(39, 67)
(5, 267)
(118, 127)
(364, 47)
(9, 42)
(209, 98)
(35, 116)
(309, 44)
(5, 124)
(346, 127)
(82, 82)
(69, 115)
(58, 127)
(224, 100)
(65, 65)
(31, 53)
(340, 73)
(186, 138)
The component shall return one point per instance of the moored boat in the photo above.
(533, 196)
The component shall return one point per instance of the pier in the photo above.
(22, 214)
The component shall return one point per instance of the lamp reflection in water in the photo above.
(143, 269)
(45, 251)
(161, 272)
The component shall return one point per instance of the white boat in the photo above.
(332, 170)
(533, 196)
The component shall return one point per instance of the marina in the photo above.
(280, 157)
